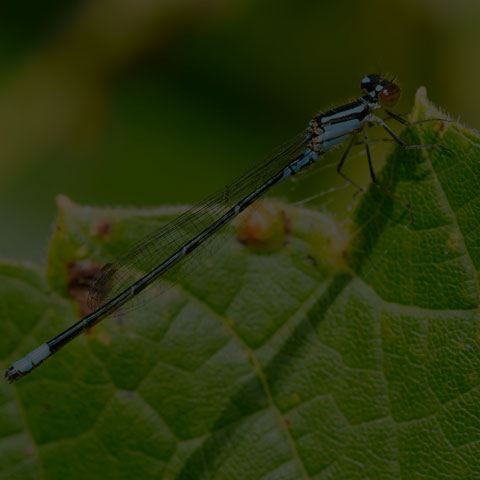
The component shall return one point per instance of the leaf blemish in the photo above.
(263, 226)
(101, 228)
(81, 275)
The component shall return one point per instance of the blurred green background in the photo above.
(157, 102)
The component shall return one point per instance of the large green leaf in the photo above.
(304, 351)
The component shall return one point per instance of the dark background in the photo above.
(146, 103)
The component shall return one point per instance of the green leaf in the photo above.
(307, 350)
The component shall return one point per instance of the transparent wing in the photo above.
(164, 242)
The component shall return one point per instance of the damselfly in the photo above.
(178, 239)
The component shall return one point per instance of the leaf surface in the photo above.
(327, 355)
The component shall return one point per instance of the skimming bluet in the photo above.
(162, 250)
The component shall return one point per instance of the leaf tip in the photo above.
(63, 202)
(423, 108)
(421, 105)
(421, 95)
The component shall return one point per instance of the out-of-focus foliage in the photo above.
(155, 102)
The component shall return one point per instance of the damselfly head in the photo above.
(386, 92)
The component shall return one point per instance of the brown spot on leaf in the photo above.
(81, 277)
(101, 228)
(263, 226)
(287, 222)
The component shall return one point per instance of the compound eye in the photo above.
(365, 83)
(368, 82)
(389, 95)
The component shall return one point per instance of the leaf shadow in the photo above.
(251, 397)
(376, 211)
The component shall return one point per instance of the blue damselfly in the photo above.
(180, 238)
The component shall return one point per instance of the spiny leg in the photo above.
(376, 140)
(351, 143)
(378, 184)
(390, 117)
(401, 120)
(378, 121)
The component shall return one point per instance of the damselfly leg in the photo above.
(378, 184)
(377, 121)
(351, 143)
(398, 118)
